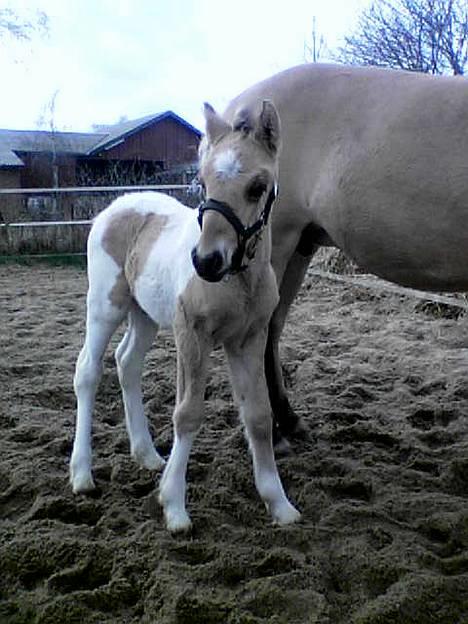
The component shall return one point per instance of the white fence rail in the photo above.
(94, 189)
(49, 238)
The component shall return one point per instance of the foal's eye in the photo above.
(255, 190)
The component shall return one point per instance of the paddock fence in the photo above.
(64, 241)
(42, 238)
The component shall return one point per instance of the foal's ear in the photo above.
(268, 131)
(215, 126)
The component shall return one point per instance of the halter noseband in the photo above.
(244, 234)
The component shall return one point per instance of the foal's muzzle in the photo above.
(209, 268)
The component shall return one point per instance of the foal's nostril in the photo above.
(208, 267)
(216, 261)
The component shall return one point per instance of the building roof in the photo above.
(14, 142)
(8, 158)
(119, 132)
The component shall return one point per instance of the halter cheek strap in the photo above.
(244, 234)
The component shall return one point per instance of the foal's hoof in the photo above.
(177, 521)
(288, 514)
(82, 484)
(148, 457)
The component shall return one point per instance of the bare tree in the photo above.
(47, 121)
(51, 144)
(315, 50)
(23, 28)
(429, 36)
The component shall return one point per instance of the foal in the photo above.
(149, 262)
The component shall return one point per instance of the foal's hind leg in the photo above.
(130, 355)
(249, 385)
(101, 322)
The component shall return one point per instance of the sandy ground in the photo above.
(382, 480)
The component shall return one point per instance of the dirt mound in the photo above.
(381, 478)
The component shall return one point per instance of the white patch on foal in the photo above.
(227, 164)
(165, 274)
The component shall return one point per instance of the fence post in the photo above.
(5, 239)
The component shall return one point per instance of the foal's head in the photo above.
(238, 170)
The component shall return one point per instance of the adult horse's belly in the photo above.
(407, 252)
(399, 215)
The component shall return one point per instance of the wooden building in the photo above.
(153, 149)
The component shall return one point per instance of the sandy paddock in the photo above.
(382, 479)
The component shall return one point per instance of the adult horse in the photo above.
(375, 162)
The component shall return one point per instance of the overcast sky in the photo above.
(107, 59)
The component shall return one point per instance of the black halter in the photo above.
(244, 234)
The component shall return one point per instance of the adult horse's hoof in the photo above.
(300, 431)
(287, 423)
(281, 445)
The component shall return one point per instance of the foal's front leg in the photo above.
(193, 349)
(250, 390)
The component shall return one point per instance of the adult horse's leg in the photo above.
(286, 421)
(101, 322)
(250, 390)
(193, 349)
(130, 355)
